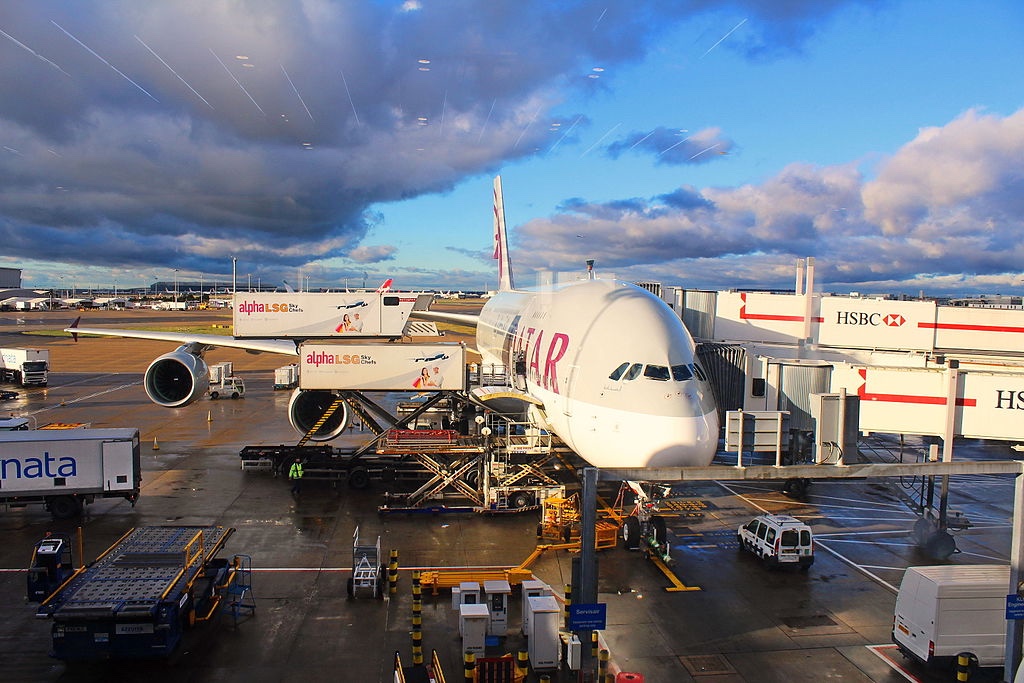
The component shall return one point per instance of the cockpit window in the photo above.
(617, 372)
(634, 371)
(658, 372)
(681, 373)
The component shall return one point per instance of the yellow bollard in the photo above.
(417, 646)
(522, 662)
(568, 602)
(393, 573)
(469, 667)
(602, 665)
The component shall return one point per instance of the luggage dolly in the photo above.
(367, 571)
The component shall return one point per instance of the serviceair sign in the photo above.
(876, 323)
(382, 367)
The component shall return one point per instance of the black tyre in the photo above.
(940, 546)
(660, 530)
(631, 533)
(520, 500)
(65, 507)
(234, 394)
(214, 395)
(359, 478)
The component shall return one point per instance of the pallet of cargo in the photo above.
(138, 597)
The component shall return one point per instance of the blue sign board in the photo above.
(1015, 606)
(588, 617)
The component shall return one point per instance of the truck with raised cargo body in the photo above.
(67, 469)
(27, 367)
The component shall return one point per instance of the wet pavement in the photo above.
(745, 624)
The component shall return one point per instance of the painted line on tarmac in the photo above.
(882, 651)
(86, 397)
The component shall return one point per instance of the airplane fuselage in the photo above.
(614, 368)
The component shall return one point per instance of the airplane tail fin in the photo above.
(74, 326)
(385, 286)
(505, 281)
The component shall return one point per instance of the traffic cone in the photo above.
(156, 446)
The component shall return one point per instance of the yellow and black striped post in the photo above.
(963, 666)
(602, 667)
(593, 644)
(417, 590)
(522, 663)
(568, 602)
(469, 666)
(393, 572)
(417, 644)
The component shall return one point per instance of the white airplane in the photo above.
(606, 365)
(603, 364)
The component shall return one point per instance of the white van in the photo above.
(778, 540)
(946, 610)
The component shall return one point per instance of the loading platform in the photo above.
(139, 596)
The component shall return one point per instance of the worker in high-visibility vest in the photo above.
(295, 474)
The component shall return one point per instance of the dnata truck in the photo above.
(27, 367)
(946, 610)
(65, 469)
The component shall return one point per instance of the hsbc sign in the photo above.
(877, 323)
(873, 319)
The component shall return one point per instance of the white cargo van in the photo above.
(946, 610)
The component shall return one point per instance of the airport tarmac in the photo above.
(744, 624)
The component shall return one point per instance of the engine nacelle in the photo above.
(306, 407)
(177, 378)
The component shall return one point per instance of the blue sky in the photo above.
(707, 147)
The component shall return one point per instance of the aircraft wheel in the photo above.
(660, 530)
(214, 395)
(631, 533)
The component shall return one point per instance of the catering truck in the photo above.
(27, 367)
(68, 468)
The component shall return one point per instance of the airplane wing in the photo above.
(444, 317)
(282, 346)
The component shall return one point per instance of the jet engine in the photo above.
(307, 407)
(177, 378)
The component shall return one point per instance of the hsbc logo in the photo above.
(869, 319)
(896, 320)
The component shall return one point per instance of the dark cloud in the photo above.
(174, 134)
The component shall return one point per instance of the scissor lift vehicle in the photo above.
(367, 571)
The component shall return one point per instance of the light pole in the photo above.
(234, 273)
(175, 285)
